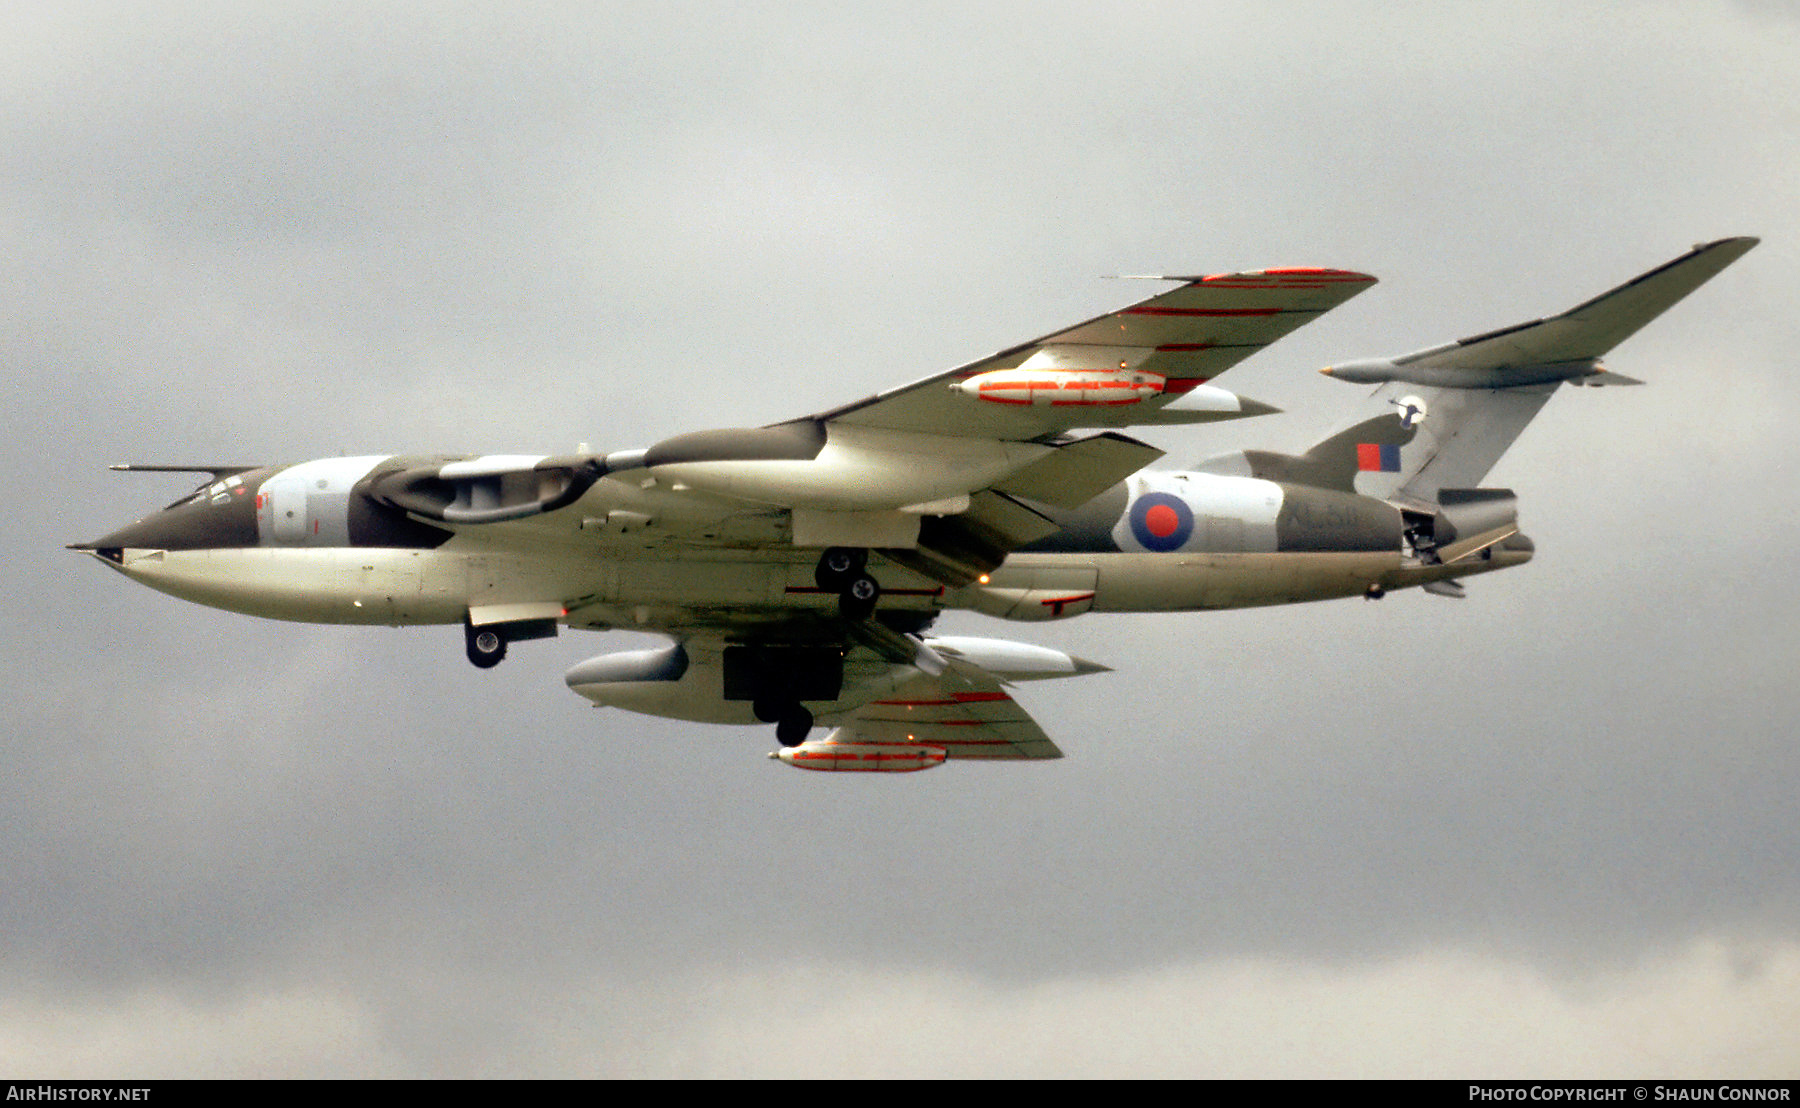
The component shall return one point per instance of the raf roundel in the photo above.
(1161, 522)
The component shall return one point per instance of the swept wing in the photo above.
(961, 713)
(1187, 335)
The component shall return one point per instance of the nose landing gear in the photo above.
(487, 645)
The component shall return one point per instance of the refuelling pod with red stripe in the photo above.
(1062, 387)
(861, 757)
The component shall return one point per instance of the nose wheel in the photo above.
(844, 570)
(486, 645)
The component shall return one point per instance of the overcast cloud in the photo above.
(1548, 830)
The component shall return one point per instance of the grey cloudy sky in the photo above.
(1548, 830)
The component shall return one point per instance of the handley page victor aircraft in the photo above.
(796, 567)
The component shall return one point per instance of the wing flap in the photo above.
(1074, 474)
(956, 550)
(963, 711)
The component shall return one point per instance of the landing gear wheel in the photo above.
(791, 728)
(766, 710)
(486, 646)
(838, 566)
(857, 601)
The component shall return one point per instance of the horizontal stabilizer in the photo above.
(1565, 347)
(1446, 415)
(1589, 330)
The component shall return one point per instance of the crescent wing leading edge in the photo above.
(1187, 336)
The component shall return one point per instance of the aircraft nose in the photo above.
(101, 549)
(211, 518)
(153, 532)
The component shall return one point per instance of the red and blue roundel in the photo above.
(1161, 522)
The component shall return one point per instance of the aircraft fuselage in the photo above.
(315, 542)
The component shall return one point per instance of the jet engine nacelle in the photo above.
(840, 467)
(489, 489)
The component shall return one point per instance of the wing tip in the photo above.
(1734, 248)
(1299, 276)
(1284, 277)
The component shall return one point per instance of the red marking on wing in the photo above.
(1342, 276)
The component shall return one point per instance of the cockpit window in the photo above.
(218, 493)
(223, 492)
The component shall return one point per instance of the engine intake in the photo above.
(489, 490)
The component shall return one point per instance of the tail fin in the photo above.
(1448, 413)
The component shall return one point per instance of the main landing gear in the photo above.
(844, 570)
(780, 679)
(791, 719)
